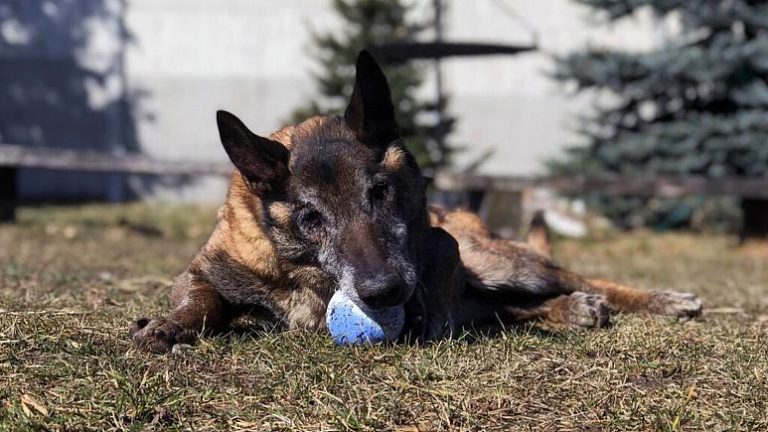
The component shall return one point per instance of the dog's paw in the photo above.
(586, 310)
(676, 304)
(159, 335)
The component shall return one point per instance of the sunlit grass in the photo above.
(71, 279)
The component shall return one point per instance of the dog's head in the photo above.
(340, 193)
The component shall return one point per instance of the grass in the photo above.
(71, 279)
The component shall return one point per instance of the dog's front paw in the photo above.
(585, 310)
(159, 335)
(673, 303)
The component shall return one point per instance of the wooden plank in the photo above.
(458, 181)
(15, 156)
(94, 161)
(755, 224)
(671, 187)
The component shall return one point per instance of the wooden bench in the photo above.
(753, 192)
(501, 195)
(13, 157)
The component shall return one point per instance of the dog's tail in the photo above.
(539, 238)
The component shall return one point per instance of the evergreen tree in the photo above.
(369, 23)
(696, 106)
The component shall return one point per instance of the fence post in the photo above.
(7, 194)
(755, 213)
(503, 211)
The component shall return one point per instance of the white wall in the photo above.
(508, 104)
(188, 58)
(193, 57)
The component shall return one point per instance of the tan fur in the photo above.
(393, 160)
(280, 212)
(240, 271)
(273, 261)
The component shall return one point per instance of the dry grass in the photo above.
(71, 279)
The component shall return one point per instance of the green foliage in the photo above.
(696, 106)
(367, 23)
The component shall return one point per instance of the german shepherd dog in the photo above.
(338, 202)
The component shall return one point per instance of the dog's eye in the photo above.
(310, 219)
(379, 190)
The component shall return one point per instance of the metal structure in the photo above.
(396, 53)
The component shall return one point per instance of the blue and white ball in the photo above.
(352, 323)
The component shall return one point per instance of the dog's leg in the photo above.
(500, 273)
(432, 311)
(496, 267)
(626, 299)
(196, 306)
(503, 268)
(577, 309)
(621, 298)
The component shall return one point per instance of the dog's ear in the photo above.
(263, 162)
(370, 113)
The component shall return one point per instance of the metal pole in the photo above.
(440, 130)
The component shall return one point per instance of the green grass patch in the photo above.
(72, 278)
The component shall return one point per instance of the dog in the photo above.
(338, 202)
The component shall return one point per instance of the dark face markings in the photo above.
(352, 217)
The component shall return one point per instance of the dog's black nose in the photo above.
(381, 291)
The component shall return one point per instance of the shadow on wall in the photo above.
(63, 84)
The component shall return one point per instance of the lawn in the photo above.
(71, 279)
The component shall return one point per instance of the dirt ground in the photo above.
(72, 278)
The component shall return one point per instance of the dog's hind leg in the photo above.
(621, 298)
(505, 268)
(509, 270)
(577, 309)
(627, 299)
(511, 282)
(518, 273)
(196, 306)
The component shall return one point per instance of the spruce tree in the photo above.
(698, 105)
(369, 23)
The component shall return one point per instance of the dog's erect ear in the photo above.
(370, 113)
(263, 162)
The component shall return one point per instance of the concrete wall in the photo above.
(161, 68)
(192, 57)
(508, 104)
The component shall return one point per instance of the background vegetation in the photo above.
(369, 23)
(697, 105)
